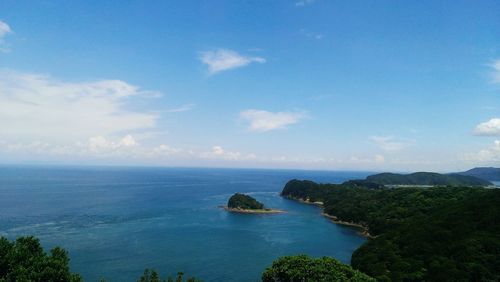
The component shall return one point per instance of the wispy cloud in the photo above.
(223, 59)
(262, 121)
(96, 147)
(390, 143)
(302, 3)
(375, 159)
(310, 34)
(183, 108)
(39, 107)
(496, 71)
(4, 31)
(488, 128)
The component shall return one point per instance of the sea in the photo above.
(116, 221)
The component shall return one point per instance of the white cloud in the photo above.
(488, 155)
(219, 153)
(166, 150)
(4, 31)
(496, 71)
(301, 3)
(262, 121)
(224, 59)
(39, 107)
(100, 144)
(488, 128)
(389, 143)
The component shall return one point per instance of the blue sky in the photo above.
(363, 85)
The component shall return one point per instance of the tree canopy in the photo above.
(25, 260)
(427, 178)
(150, 275)
(305, 269)
(242, 201)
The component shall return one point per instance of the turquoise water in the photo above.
(117, 221)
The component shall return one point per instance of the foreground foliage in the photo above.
(150, 275)
(303, 268)
(25, 260)
(434, 234)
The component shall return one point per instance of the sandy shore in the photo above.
(260, 211)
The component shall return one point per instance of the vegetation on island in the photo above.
(306, 269)
(485, 173)
(244, 202)
(433, 234)
(427, 178)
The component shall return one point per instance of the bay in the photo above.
(117, 221)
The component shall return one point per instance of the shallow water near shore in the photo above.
(116, 221)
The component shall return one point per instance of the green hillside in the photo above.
(427, 178)
(485, 173)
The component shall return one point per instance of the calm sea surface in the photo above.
(117, 221)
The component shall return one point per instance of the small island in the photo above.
(242, 203)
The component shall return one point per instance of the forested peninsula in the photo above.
(441, 233)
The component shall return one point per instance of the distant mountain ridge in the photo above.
(485, 173)
(427, 178)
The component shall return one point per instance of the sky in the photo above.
(298, 84)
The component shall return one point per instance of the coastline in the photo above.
(364, 230)
(307, 201)
(259, 211)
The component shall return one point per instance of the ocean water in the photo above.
(117, 221)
